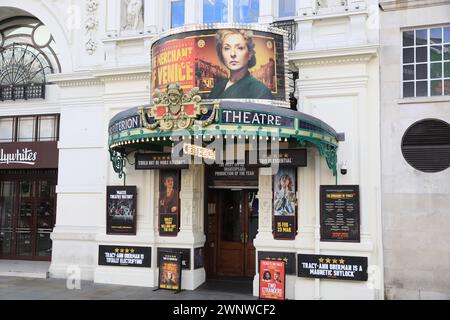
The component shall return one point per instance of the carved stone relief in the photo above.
(91, 25)
(132, 15)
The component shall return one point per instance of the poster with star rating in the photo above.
(157, 161)
(125, 256)
(332, 267)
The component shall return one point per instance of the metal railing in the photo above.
(291, 27)
(22, 92)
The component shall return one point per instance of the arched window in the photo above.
(27, 55)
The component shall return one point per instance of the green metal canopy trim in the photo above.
(129, 130)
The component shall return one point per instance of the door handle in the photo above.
(246, 237)
(242, 237)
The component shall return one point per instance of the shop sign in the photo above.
(332, 267)
(272, 280)
(255, 118)
(29, 155)
(121, 210)
(289, 259)
(339, 213)
(285, 203)
(124, 256)
(185, 256)
(157, 161)
(170, 271)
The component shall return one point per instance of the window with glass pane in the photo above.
(286, 8)
(177, 13)
(426, 62)
(26, 129)
(47, 128)
(215, 11)
(246, 11)
(6, 129)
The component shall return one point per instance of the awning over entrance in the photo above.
(153, 127)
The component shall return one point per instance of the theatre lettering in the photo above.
(255, 118)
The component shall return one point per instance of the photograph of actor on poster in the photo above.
(169, 202)
(226, 63)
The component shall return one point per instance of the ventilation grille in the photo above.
(426, 145)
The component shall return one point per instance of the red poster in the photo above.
(272, 280)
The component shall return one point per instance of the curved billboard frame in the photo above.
(282, 96)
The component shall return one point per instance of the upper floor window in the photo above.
(29, 128)
(27, 55)
(286, 8)
(177, 11)
(215, 11)
(240, 11)
(426, 62)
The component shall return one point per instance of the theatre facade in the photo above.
(165, 153)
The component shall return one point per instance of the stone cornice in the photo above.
(410, 4)
(328, 56)
(100, 76)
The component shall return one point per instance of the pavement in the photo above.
(22, 288)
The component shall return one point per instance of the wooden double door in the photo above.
(232, 227)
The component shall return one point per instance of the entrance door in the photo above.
(27, 217)
(237, 227)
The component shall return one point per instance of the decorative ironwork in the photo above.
(175, 109)
(326, 150)
(27, 55)
(291, 27)
(118, 162)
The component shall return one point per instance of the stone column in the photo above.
(192, 12)
(152, 11)
(191, 233)
(266, 11)
(265, 198)
(112, 18)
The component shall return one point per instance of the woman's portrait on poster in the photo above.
(236, 51)
(168, 198)
(285, 199)
(267, 276)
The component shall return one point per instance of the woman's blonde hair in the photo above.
(248, 36)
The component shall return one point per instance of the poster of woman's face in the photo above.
(228, 63)
(169, 192)
(284, 187)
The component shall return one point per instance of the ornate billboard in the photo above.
(224, 62)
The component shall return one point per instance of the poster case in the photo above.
(121, 210)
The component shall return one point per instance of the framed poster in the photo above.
(272, 280)
(339, 213)
(121, 210)
(289, 258)
(185, 256)
(285, 203)
(332, 267)
(169, 202)
(169, 271)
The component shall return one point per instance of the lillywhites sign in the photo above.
(27, 155)
(23, 156)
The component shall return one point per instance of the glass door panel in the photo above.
(24, 246)
(7, 198)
